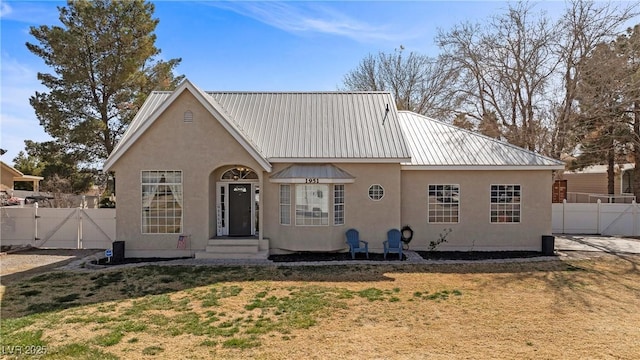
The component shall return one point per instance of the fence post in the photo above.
(598, 218)
(35, 231)
(564, 204)
(79, 217)
(635, 217)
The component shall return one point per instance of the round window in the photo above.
(376, 192)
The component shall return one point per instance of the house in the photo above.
(251, 173)
(9, 175)
(593, 180)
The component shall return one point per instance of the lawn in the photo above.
(569, 309)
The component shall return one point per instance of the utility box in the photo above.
(118, 252)
(548, 245)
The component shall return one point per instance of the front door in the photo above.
(240, 199)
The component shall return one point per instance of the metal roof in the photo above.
(434, 143)
(317, 126)
(310, 173)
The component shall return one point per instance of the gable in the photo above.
(316, 127)
(158, 102)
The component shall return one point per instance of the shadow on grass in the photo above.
(53, 291)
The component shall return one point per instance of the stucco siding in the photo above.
(371, 218)
(474, 231)
(6, 177)
(196, 148)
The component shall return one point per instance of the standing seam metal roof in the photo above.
(317, 125)
(434, 143)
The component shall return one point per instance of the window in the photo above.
(338, 205)
(505, 203)
(444, 203)
(285, 204)
(161, 202)
(312, 205)
(376, 192)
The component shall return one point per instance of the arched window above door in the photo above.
(239, 173)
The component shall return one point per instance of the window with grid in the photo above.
(505, 203)
(376, 192)
(312, 204)
(338, 205)
(444, 203)
(161, 202)
(285, 204)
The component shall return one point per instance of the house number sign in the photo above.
(312, 181)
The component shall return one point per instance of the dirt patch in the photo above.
(31, 261)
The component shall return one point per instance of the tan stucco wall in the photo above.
(371, 218)
(475, 231)
(6, 177)
(198, 149)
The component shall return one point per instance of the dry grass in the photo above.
(563, 309)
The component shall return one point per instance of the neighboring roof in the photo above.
(27, 178)
(316, 127)
(311, 173)
(601, 169)
(11, 169)
(437, 145)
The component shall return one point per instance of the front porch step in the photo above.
(231, 249)
(235, 249)
(260, 255)
(233, 242)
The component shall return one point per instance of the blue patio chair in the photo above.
(355, 244)
(393, 244)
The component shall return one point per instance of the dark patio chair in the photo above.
(355, 244)
(393, 244)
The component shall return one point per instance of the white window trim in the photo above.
(519, 203)
(295, 219)
(182, 210)
(343, 203)
(281, 204)
(459, 205)
(369, 192)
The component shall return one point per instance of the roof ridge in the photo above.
(294, 92)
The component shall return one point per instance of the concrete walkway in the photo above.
(597, 243)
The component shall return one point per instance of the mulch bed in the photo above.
(104, 261)
(318, 256)
(476, 255)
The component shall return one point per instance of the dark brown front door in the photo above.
(240, 209)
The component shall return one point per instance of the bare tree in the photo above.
(505, 69)
(583, 25)
(417, 82)
(601, 120)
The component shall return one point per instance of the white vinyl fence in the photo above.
(599, 218)
(58, 228)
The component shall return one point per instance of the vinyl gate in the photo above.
(58, 228)
(599, 218)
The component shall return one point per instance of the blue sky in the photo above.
(270, 45)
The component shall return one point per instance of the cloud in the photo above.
(30, 12)
(5, 9)
(309, 18)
